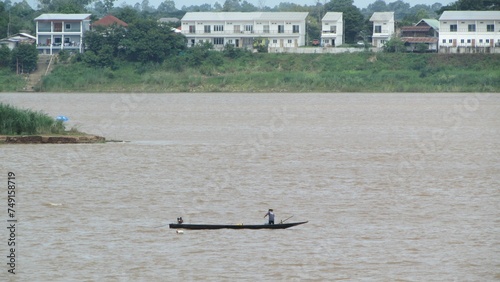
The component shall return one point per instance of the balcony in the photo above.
(231, 32)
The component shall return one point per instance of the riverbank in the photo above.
(51, 139)
(265, 73)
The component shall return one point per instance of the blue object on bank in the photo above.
(62, 118)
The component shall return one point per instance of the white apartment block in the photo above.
(469, 29)
(383, 28)
(332, 29)
(55, 32)
(241, 29)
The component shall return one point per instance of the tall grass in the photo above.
(354, 72)
(10, 82)
(14, 121)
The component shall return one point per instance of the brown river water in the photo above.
(396, 187)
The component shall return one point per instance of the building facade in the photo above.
(332, 29)
(424, 34)
(56, 32)
(469, 31)
(245, 29)
(20, 38)
(383, 28)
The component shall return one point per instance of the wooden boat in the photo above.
(235, 226)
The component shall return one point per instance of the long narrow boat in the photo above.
(235, 226)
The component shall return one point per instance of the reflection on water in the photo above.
(395, 187)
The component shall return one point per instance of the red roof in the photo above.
(420, 39)
(109, 20)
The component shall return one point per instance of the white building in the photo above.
(13, 41)
(468, 30)
(332, 29)
(383, 28)
(55, 32)
(241, 29)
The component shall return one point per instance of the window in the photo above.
(453, 28)
(192, 29)
(218, 41)
(462, 41)
(290, 41)
(480, 41)
(249, 28)
(378, 29)
(444, 40)
(237, 28)
(487, 41)
(281, 28)
(468, 41)
(295, 28)
(275, 41)
(333, 29)
(219, 27)
(68, 26)
(450, 41)
(472, 28)
(266, 28)
(490, 27)
(207, 29)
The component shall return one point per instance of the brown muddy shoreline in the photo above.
(51, 139)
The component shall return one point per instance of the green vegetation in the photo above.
(10, 82)
(14, 121)
(202, 70)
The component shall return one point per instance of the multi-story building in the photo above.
(332, 29)
(243, 29)
(383, 28)
(55, 32)
(469, 31)
(425, 33)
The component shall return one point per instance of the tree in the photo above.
(400, 8)
(248, 7)
(167, 6)
(5, 54)
(472, 5)
(147, 41)
(24, 58)
(394, 45)
(231, 6)
(145, 7)
(377, 6)
(4, 20)
(353, 19)
(64, 6)
(108, 5)
(128, 15)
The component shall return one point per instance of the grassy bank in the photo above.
(355, 72)
(10, 82)
(14, 121)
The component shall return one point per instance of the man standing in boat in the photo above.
(270, 213)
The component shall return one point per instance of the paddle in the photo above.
(286, 219)
(160, 226)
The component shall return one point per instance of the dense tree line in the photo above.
(142, 41)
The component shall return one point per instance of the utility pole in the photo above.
(8, 26)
